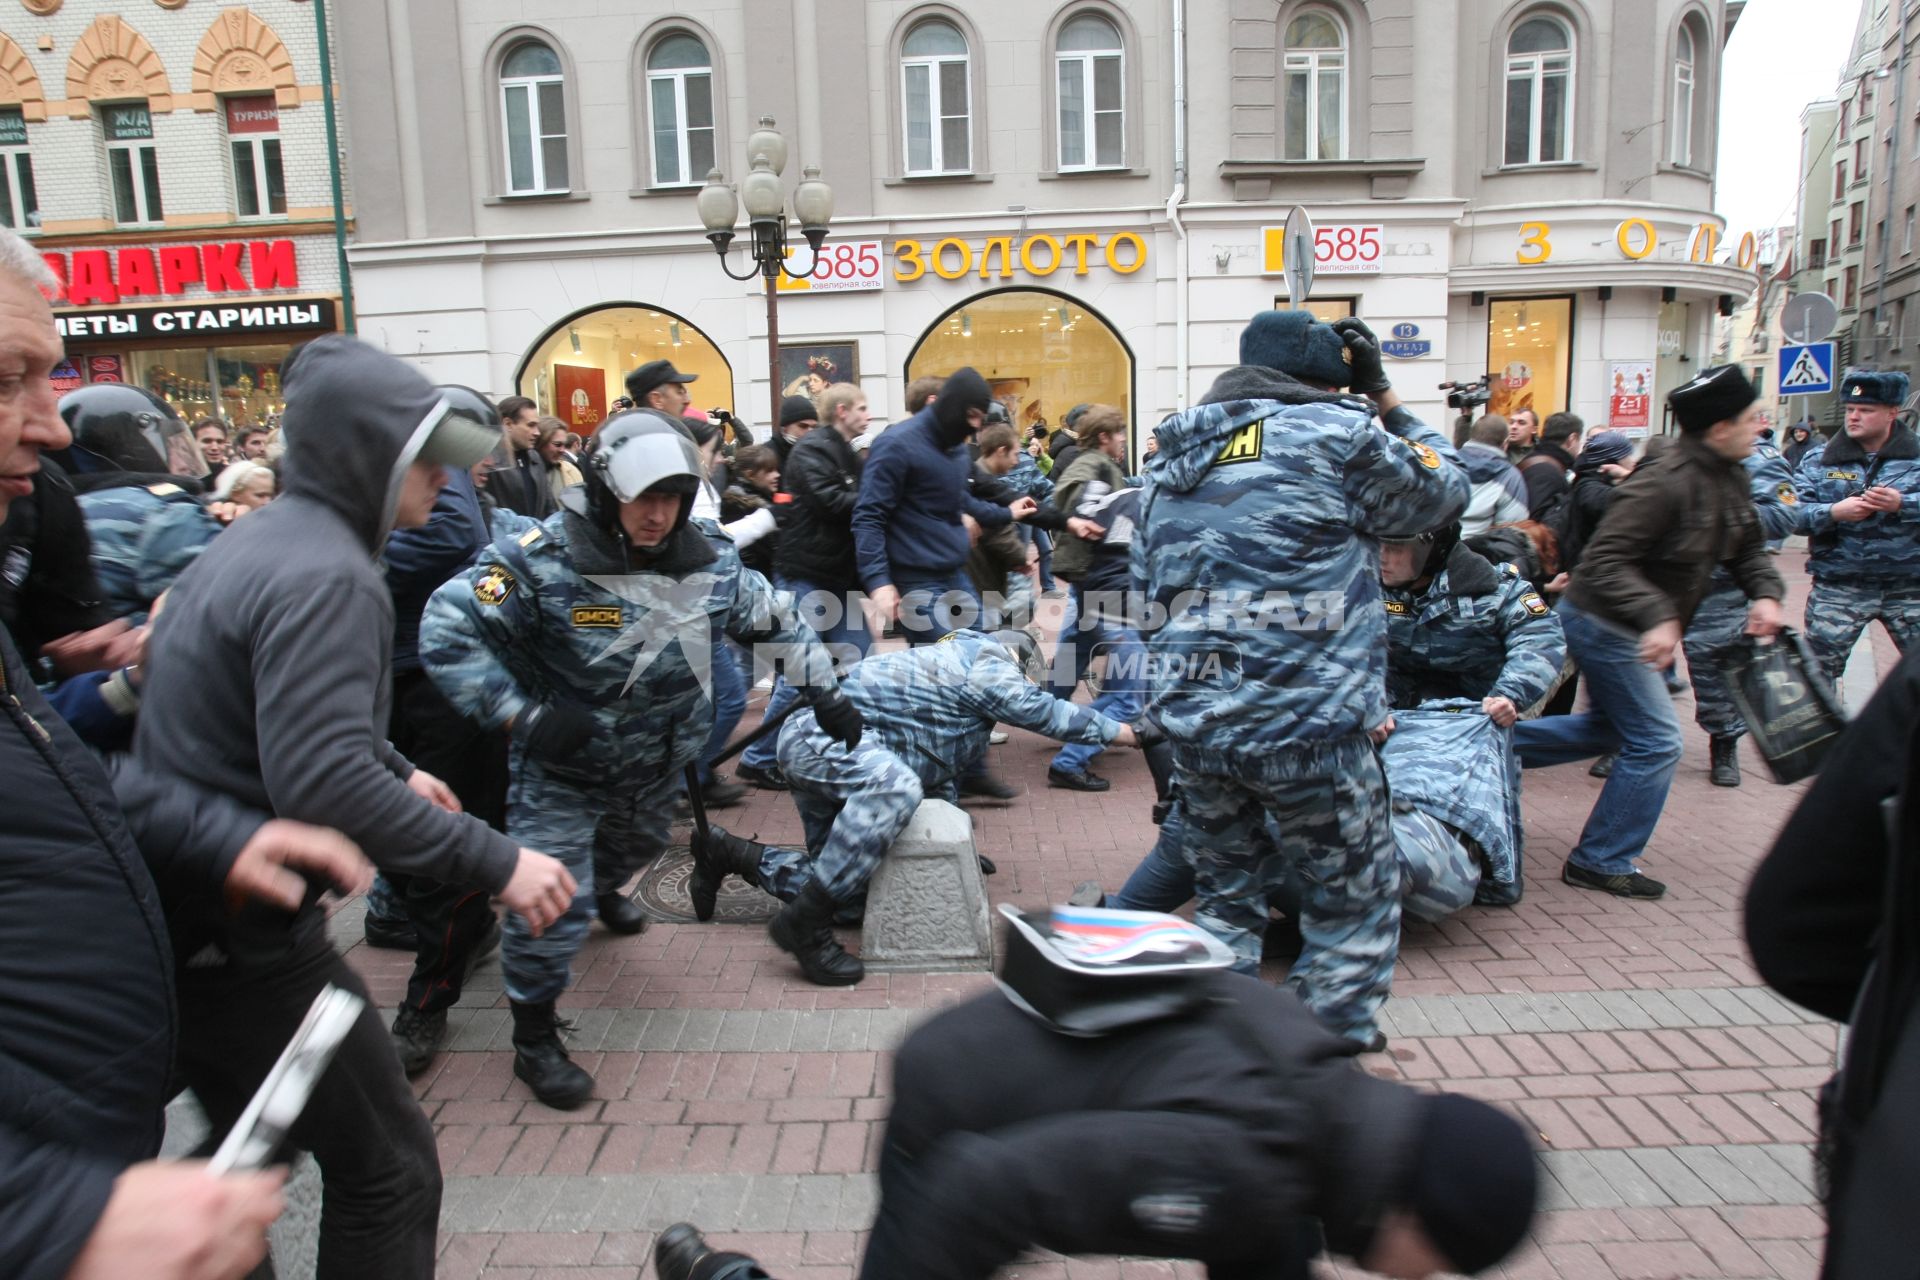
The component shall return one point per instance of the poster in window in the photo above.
(1630, 396)
(579, 396)
(808, 368)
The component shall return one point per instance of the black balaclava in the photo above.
(965, 390)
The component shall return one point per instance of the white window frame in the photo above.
(1906, 237)
(1533, 68)
(682, 131)
(142, 158)
(14, 157)
(932, 63)
(1680, 111)
(255, 144)
(1089, 133)
(1314, 63)
(529, 86)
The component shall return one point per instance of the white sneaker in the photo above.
(995, 738)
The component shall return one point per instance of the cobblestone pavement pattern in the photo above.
(1673, 1095)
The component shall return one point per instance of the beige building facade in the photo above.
(1080, 199)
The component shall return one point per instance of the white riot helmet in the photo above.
(633, 453)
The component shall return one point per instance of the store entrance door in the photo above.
(1042, 353)
(579, 367)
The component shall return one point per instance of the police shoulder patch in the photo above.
(1534, 604)
(531, 536)
(596, 615)
(493, 586)
(1428, 458)
(1787, 495)
(1396, 606)
(1243, 445)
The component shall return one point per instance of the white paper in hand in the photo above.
(283, 1095)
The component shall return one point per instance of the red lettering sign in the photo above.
(106, 368)
(253, 114)
(97, 277)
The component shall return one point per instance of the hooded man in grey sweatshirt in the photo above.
(267, 673)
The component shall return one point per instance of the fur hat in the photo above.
(1864, 386)
(1717, 395)
(1294, 343)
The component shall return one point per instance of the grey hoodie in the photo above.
(268, 671)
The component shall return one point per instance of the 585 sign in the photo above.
(1341, 248)
(844, 267)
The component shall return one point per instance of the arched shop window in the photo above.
(1041, 352)
(580, 366)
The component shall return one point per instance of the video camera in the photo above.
(1469, 395)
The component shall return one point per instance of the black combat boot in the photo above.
(682, 1253)
(721, 854)
(417, 1036)
(620, 913)
(803, 930)
(542, 1063)
(1726, 761)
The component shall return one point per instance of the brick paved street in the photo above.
(1672, 1094)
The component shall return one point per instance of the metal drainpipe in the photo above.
(333, 166)
(1176, 198)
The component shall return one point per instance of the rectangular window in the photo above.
(132, 166)
(1539, 108)
(1317, 105)
(1880, 236)
(536, 114)
(682, 106)
(19, 202)
(1850, 288)
(1091, 133)
(1816, 253)
(1899, 322)
(1856, 225)
(1906, 232)
(1530, 353)
(1840, 179)
(937, 94)
(253, 137)
(1860, 160)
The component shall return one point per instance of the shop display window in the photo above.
(1042, 353)
(580, 367)
(1530, 354)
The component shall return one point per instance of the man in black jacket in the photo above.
(521, 485)
(1217, 1135)
(1833, 918)
(267, 675)
(86, 1042)
(814, 558)
(1548, 470)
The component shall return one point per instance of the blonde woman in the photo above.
(247, 485)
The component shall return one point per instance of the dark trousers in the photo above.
(1006, 1135)
(379, 1169)
(451, 920)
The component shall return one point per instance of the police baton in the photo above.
(695, 799)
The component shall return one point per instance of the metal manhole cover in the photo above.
(662, 891)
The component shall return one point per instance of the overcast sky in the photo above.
(1783, 55)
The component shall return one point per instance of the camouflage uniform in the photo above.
(1866, 569)
(928, 712)
(1721, 618)
(1257, 542)
(557, 613)
(1450, 762)
(1477, 631)
(144, 537)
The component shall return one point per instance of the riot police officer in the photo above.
(588, 637)
(1860, 509)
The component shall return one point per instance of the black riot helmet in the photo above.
(1430, 549)
(633, 453)
(119, 428)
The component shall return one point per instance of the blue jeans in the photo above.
(729, 703)
(1633, 717)
(1043, 540)
(932, 605)
(840, 625)
(1164, 879)
(1123, 690)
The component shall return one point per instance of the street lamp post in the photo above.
(766, 204)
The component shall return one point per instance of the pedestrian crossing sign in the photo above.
(1806, 370)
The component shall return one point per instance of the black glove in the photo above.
(1369, 374)
(1146, 733)
(835, 713)
(557, 730)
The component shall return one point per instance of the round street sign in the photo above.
(1808, 317)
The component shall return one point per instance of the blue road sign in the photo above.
(1806, 370)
